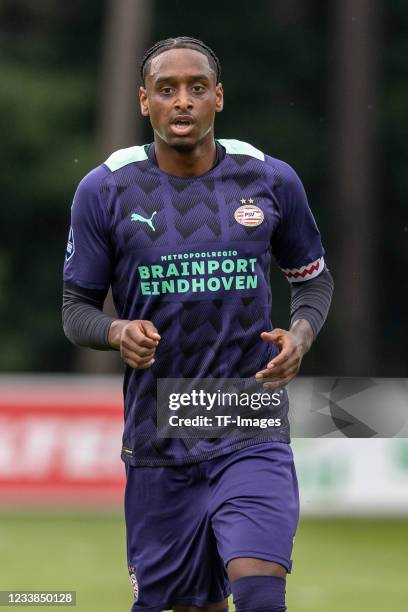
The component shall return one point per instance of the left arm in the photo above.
(310, 303)
(297, 247)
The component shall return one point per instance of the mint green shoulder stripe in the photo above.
(123, 157)
(237, 147)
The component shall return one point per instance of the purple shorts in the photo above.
(184, 524)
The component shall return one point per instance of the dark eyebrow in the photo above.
(195, 77)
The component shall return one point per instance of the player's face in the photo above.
(181, 97)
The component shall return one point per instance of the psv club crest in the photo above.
(249, 214)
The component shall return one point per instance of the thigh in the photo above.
(248, 566)
(172, 553)
(256, 504)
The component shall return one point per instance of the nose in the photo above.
(183, 100)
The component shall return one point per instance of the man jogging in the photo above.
(183, 230)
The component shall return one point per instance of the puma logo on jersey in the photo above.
(136, 217)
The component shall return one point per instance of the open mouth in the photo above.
(182, 126)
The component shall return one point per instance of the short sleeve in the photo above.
(88, 260)
(296, 242)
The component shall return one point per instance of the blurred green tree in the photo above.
(278, 67)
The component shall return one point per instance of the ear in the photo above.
(144, 104)
(219, 98)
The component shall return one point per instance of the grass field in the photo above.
(353, 565)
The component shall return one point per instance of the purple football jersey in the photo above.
(192, 255)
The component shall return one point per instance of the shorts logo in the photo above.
(249, 214)
(133, 582)
(70, 245)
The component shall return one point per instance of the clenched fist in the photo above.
(136, 340)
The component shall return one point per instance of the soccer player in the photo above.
(183, 230)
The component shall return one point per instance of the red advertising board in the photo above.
(60, 441)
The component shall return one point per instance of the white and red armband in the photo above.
(304, 273)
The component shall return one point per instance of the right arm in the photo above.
(85, 324)
(87, 277)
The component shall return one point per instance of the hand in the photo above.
(292, 346)
(136, 340)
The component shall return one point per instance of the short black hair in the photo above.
(180, 42)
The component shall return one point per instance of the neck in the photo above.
(186, 162)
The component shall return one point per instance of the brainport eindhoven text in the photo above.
(199, 275)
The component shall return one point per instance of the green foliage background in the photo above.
(276, 76)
